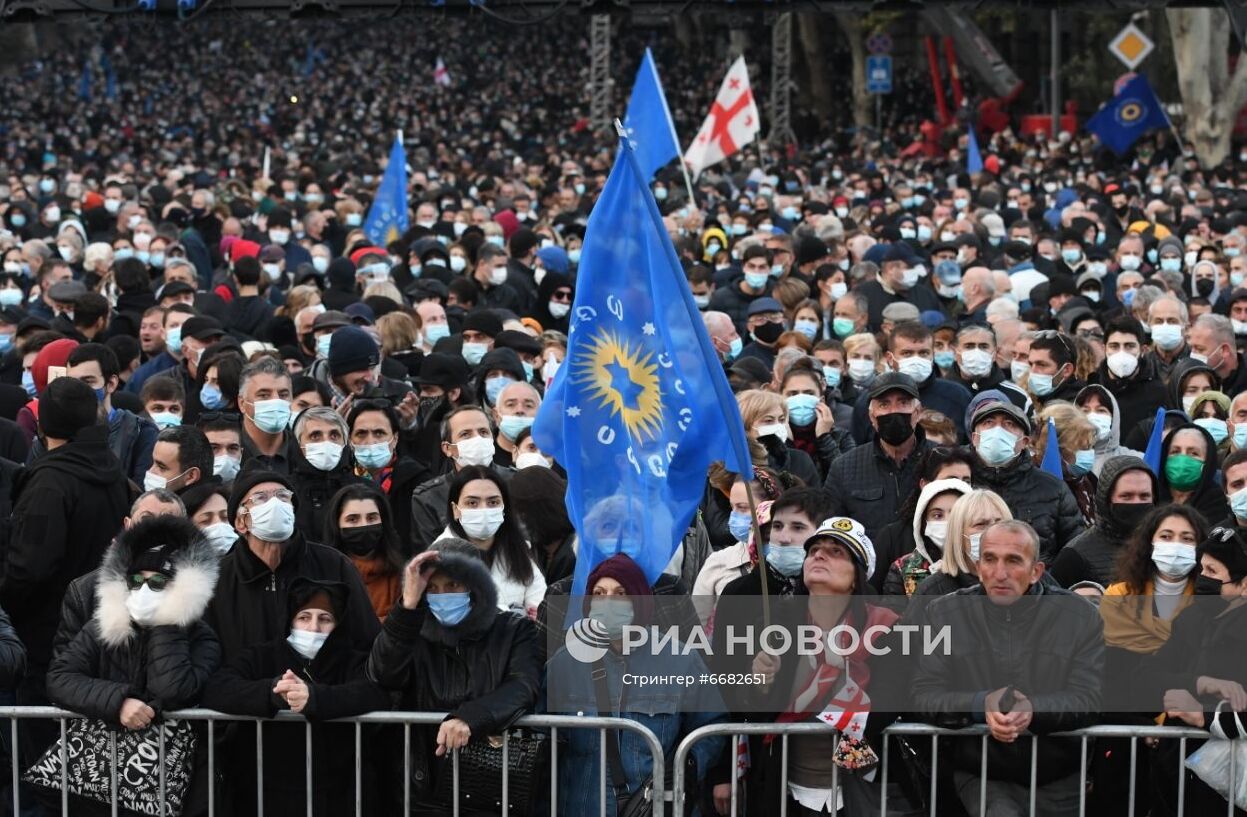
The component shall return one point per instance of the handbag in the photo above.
(1211, 762)
(480, 773)
(88, 764)
(641, 802)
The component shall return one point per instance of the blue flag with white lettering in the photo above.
(387, 218)
(640, 406)
(648, 121)
(1134, 111)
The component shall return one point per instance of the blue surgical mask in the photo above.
(1238, 503)
(945, 358)
(100, 394)
(322, 346)
(739, 524)
(494, 387)
(801, 409)
(449, 608)
(737, 345)
(271, 416)
(511, 426)
(806, 327)
(473, 352)
(756, 280)
(1240, 435)
(173, 339)
(433, 332)
(786, 559)
(1171, 264)
(1084, 460)
(1214, 426)
(528, 371)
(11, 297)
(157, 259)
(210, 397)
(1072, 256)
(166, 419)
(832, 375)
(6, 342)
(28, 382)
(372, 456)
(613, 614)
(996, 446)
(1041, 384)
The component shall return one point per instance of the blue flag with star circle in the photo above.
(387, 218)
(1133, 111)
(640, 407)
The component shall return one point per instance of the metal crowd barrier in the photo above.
(920, 730)
(552, 723)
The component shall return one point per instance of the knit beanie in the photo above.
(351, 349)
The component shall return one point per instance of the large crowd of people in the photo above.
(252, 460)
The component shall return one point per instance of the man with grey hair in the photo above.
(1167, 318)
(978, 288)
(975, 366)
(1007, 332)
(320, 465)
(727, 341)
(1001, 309)
(264, 395)
(1212, 341)
(514, 411)
(976, 680)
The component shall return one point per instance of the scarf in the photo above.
(1131, 623)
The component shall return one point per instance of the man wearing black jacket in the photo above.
(1128, 374)
(1023, 657)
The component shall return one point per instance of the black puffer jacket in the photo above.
(250, 603)
(485, 671)
(1093, 554)
(338, 688)
(166, 664)
(69, 504)
(1035, 497)
(1048, 644)
(869, 486)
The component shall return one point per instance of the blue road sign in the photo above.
(879, 74)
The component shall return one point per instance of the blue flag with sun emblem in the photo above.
(387, 218)
(640, 406)
(1132, 112)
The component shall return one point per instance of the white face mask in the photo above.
(976, 362)
(937, 532)
(306, 643)
(861, 370)
(481, 523)
(272, 522)
(475, 451)
(773, 430)
(226, 467)
(559, 311)
(919, 368)
(221, 536)
(142, 605)
(498, 276)
(1122, 364)
(323, 456)
(531, 459)
(1173, 559)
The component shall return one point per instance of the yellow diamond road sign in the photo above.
(1131, 46)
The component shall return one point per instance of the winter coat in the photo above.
(908, 571)
(1035, 497)
(1139, 395)
(429, 503)
(1111, 445)
(485, 671)
(165, 664)
(12, 654)
(1092, 555)
(68, 506)
(338, 688)
(251, 600)
(1208, 497)
(936, 393)
(1048, 644)
(245, 314)
(130, 437)
(733, 302)
(869, 486)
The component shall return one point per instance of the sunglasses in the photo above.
(561, 295)
(156, 581)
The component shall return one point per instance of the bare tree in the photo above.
(1211, 96)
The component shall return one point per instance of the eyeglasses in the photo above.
(255, 500)
(156, 581)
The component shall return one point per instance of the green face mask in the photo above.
(1183, 472)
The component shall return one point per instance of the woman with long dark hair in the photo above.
(538, 495)
(479, 510)
(359, 523)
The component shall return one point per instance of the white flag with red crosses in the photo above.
(732, 123)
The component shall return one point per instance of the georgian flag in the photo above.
(732, 123)
(440, 75)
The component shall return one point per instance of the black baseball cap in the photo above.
(893, 381)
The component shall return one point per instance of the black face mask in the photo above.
(1204, 287)
(896, 428)
(1129, 514)
(429, 404)
(1208, 586)
(768, 332)
(363, 540)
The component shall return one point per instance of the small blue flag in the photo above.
(1134, 111)
(648, 121)
(84, 85)
(641, 406)
(1152, 455)
(110, 78)
(1052, 453)
(974, 159)
(387, 218)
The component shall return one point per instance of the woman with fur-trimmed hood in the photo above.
(147, 649)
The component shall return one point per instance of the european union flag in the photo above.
(974, 159)
(387, 218)
(1134, 111)
(648, 121)
(640, 406)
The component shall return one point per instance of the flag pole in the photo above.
(708, 354)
